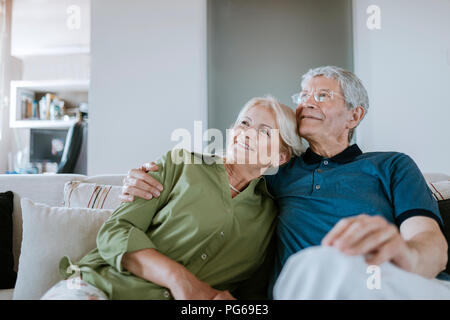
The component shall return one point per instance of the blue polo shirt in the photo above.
(313, 193)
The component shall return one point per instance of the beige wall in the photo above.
(148, 78)
(33, 67)
(264, 46)
(406, 68)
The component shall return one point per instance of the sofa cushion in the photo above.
(6, 294)
(43, 188)
(440, 189)
(49, 233)
(7, 274)
(441, 192)
(444, 209)
(91, 195)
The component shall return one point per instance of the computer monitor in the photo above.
(47, 145)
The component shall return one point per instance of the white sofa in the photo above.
(49, 189)
(42, 188)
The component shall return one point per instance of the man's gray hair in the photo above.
(354, 92)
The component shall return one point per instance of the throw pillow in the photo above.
(441, 192)
(91, 195)
(7, 273)
(49, 233)
(440, 189)
(444, 209)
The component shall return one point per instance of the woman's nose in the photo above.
(250, 133)
(298, 110)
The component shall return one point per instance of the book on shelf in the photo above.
(49, 107)
(27, 98)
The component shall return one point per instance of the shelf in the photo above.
(51, 85)
(60, 87)
(44, 124)
(60, 51)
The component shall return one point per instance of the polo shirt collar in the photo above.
(348, 155)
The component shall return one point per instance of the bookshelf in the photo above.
(26, 115)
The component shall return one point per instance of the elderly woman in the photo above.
(208, 235)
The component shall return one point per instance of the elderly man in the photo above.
(352, 225)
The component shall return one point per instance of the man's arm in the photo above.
(415, 243)
(419, 246)
(424, 236)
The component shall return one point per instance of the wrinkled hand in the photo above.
(224, 295)
(138, 183)
(188, 287)
(374, 237)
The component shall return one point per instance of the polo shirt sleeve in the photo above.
(410, 193)
(126, 229)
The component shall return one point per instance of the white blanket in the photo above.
(326, 273)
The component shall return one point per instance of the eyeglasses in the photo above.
(321, 95)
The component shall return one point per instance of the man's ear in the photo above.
(356, 115)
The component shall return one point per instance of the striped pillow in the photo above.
(79, 194)
(440, 189)
(441, 192)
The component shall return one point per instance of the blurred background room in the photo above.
(99, 86)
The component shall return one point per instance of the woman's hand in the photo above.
(153, 266)
(224, 295)
(138, 183)
(186, 286)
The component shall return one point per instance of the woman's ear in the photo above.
(284, 157)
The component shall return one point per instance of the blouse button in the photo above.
(325, 162)
(222, 233)
(317, 187)
(166, 294)
(204, 256)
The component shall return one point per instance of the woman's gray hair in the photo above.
(354, 92)
(286, 121)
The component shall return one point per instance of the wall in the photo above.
(42, 67)
(148, 77)
(53, 67)
(264, 46)
(11, 70)
(406, 68)
(50, 27)
(5, 44)
(40, 58)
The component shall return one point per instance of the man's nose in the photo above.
(307, 104)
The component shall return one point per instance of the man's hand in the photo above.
(375, 238)
(138, 183)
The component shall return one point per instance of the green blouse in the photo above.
(224, 241)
